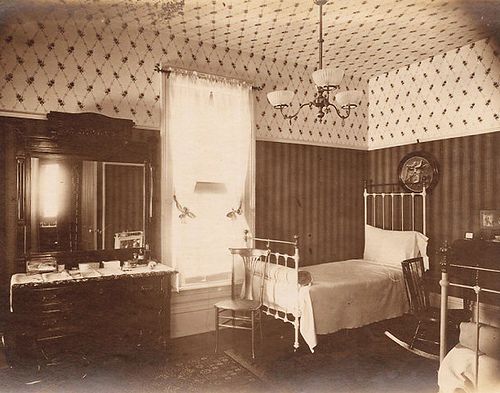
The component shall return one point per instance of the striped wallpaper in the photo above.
(315, 192)
(469, 182)
(124, 198)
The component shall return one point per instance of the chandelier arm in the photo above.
(294, 116)
(345, 115)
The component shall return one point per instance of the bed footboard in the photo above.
(445, 283)
(281, 293)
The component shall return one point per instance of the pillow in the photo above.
(489, 338)
(392, 247)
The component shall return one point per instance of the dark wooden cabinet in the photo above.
(478, 253)
(126, 314)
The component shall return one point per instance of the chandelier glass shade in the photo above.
(326, 79)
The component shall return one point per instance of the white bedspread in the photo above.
(457, 372)
(345, 294)
(355, 293)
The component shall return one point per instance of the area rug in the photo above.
(260, 372)
(207, 373)
(358, 361)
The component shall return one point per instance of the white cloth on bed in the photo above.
(283, 293)
(355, 293)
(307, 328)
(345, 294)
(391, 247)
(457, 372)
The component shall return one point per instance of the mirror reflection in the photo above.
(86, 205)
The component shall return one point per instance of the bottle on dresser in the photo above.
(140, 256)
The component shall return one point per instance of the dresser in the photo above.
(107, 313)
(478, 253)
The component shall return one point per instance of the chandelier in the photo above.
(326, 80)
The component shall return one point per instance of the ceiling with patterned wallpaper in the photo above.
(455, 93)
(363, 37)
(101, 55)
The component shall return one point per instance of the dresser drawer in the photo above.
(47, 298)
(117, 314)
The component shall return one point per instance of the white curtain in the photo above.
(207, 141)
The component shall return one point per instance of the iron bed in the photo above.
(291, 293)
(460, 367)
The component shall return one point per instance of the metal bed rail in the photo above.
(445, 283)
(288, 261)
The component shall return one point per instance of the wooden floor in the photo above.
(356, 361)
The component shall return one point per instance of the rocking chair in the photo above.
(427, 317)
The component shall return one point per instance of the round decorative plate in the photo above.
(418, 170)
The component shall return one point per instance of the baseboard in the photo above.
(192, 310)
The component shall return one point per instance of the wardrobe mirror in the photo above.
(82, 205)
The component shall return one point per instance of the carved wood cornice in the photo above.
(86, 135)
(61, 124)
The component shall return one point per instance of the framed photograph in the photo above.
(490, 220)
(133, 239)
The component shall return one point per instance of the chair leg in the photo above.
(415, 336)
(216, 329)
(253, 335)
(260, 326)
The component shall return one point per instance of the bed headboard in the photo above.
(395, 210)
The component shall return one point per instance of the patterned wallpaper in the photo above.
(93, 56)
(96, 64)
(452, 94)
(364, 37)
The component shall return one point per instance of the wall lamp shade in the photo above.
(208, 187)
(327, 77)
(349, 98)
(280, 98)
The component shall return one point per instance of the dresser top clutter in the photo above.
(88, 274)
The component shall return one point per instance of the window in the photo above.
(207, 163)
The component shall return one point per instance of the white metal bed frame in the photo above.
(396, 199)
(292, 260)
(286, 315)
(445, 283)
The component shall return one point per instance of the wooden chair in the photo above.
(427, 317)
(242, 310)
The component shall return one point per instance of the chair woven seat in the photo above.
(238, 304)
